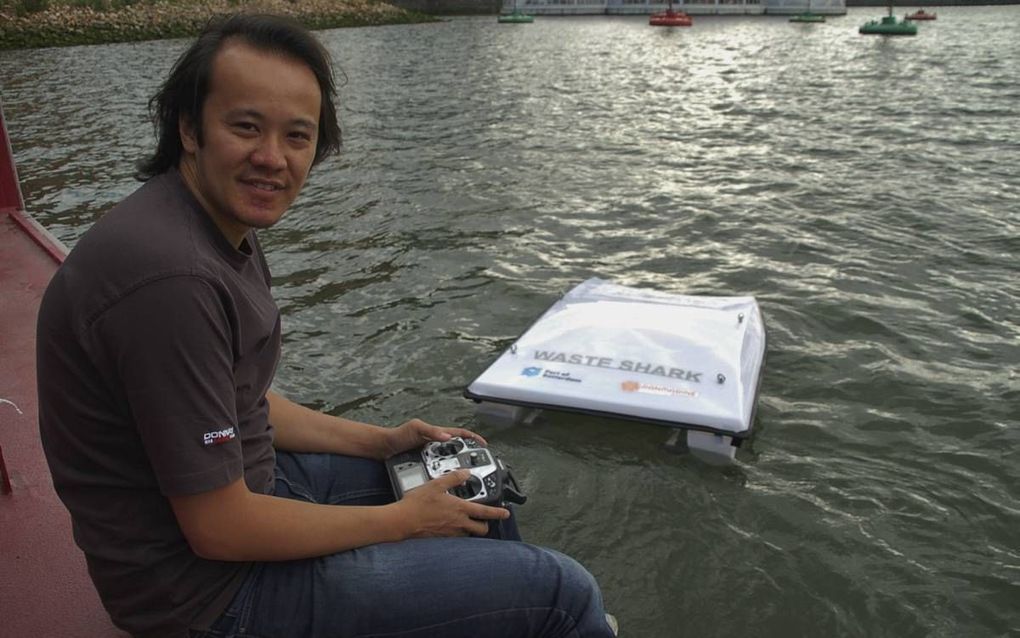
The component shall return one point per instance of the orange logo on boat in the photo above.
(630, 386)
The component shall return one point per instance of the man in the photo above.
(205, 503)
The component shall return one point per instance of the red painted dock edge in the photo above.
(45, 590)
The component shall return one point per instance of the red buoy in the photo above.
(670, 18)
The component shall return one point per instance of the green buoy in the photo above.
(807, 16)
(888, 26)
(516, 17)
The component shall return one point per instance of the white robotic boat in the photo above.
(693, 363)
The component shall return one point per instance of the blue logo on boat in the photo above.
(531, 372)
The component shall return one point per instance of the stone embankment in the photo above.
(40, 23)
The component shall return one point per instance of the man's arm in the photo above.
(234, 524)
(300, 429)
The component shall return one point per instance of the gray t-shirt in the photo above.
(157, 343)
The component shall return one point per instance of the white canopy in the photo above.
(603, 348)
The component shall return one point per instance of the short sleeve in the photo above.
(169, 343)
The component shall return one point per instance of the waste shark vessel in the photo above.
(689, 362)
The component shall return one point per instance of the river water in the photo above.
(864, 190)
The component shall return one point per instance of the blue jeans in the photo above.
(418, 588)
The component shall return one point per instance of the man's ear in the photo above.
(189, 138)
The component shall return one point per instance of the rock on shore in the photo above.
(89, 22)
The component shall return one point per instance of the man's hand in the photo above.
(434, 512)
(300, 429)
(415, 433)
(234, 524)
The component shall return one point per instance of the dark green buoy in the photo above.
(888, 25)
(516, 17)
(808, 15)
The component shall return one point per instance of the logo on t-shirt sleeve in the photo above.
(218, 437)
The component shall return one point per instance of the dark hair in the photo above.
(184, 91)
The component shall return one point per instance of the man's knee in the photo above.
(574, 576)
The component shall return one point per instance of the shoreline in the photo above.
(83, 23)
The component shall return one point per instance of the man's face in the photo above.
(259, 130)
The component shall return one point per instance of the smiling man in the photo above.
(249, 157)
(205, 503)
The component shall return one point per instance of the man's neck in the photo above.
(232, 230)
